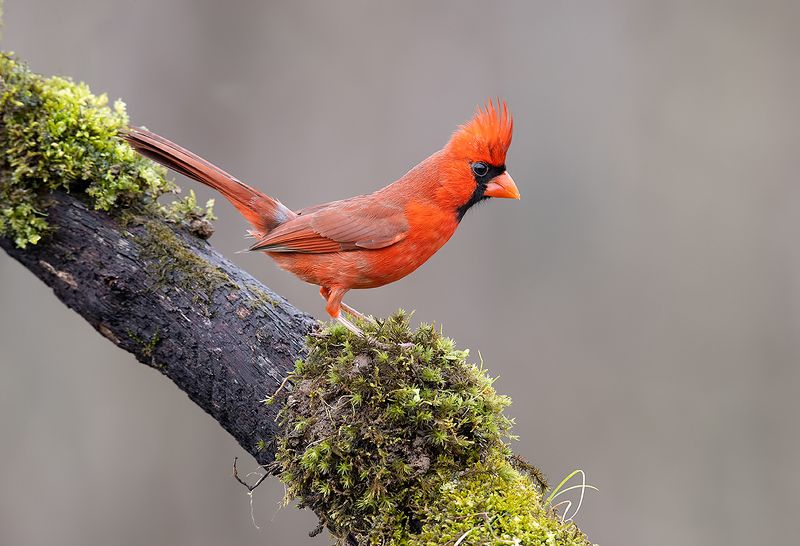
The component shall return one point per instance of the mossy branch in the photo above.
(391, 439)
(172, 301)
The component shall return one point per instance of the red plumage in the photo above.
(369, 240)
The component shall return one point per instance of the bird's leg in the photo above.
(350, 311)
(325, 292)
(334, 308)
(350, 326)
(334, 298)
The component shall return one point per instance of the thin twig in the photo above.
(250, 488)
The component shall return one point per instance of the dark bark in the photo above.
(169, 298)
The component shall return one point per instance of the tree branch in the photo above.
(394, 435)
(170, 299)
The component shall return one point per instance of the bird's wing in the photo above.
(338, 227)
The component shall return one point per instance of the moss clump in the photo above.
(492, 503)
(188, 212)
(55, 134)
(387, 437)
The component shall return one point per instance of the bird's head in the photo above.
(475, 159)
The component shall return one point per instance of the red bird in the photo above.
(369, 240)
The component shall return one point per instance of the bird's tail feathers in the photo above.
(263, 212)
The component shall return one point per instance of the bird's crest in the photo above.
(486, 136)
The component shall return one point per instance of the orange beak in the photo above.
(502, 186)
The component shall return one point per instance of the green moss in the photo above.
(379, 431)
(393, 439)
(260, 297)
(492, 503)
(56, 135)
(147, 346)
(170, 262)
(197, 219)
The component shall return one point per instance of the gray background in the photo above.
(641, 303)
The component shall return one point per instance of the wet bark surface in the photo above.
(169, 298)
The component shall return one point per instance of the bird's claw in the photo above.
(350, 326)
(359, 332)
(354, 313)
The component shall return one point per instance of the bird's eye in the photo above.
(480, 169)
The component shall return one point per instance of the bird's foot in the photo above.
(353, 312)
(350, 326)
(359, 332)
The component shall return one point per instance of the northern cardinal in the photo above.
(369, 240)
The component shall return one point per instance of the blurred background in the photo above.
(641, 304)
